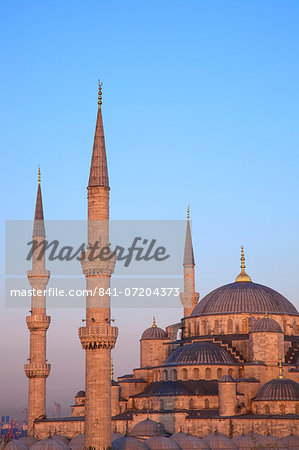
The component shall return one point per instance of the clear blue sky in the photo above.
(200, 106)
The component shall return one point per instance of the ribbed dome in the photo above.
(187, 441)
(246, 442)
(77, 443)
(29, 441)
(115, 436)
(220, 441)
(265, 325)
(199, 353)
(80, 394)
(128, 443)
(245, 297)
(49, 444)
(279, 389)
(154, 333)
(16, 445)
(147, 428)
(161, 443)
(289, 442)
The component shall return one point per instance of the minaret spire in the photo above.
(37, 370)
(189, 297)
(98, 170)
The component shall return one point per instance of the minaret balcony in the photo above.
(38, 322)
(37, 370)
(102, 336)
(97, 267)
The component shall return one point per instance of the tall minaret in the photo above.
(98, 337)
(38, 322)
(189, 297)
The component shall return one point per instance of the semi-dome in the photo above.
(187, 441)
(147, 428)
(129, 443)
(161, 443)
(80, 394)
(200, 353)
(266, 325)
(279, 389)
(244, 297)
(154, 332)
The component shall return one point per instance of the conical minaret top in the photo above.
(98, 169)
(39, 226)
(188, 253)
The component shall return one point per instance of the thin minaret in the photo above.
(37, 370)
(98, 337)
(189, 297)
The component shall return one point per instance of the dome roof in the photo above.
(220, 441)
(178, 435)
(49, 444)
(265, 325)
(161, 442)
(15, 444)
(187, 441)
(29, 441)
(148, 428)
(244, 297)
(289, 442)
(61, 438)
(154, 332)
(80, 394)
(268, 441)
(245, 441)
(115, 436)
(129, 443)
(77, 443)
(279, 389)
(199, 353)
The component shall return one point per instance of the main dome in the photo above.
(245, 297)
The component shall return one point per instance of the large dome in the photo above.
(279, 389)
(199, 353)
(244, 297)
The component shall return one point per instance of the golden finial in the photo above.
(280, 369)
(111, 369)
(100, 93)
(243, 275)
(188, 212)
(266, 314)
(38, 175)
(154, 322)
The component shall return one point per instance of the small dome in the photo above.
(161, 443)
(154, 332)
(268, 441)
(200, 353)
(246, 442)
(279, 389)
(147, 428)
(77, 443)
(15, 444)
(220, 441)
(265, 325)
(29, 441)
(244, 297)
(61, 438)
(226, 378)
(80, 394)
(49, 444)
(129, 443)
(115, 436)
(187, 441)
(177, 436)
(289, 442)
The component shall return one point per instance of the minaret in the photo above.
(38, 322)
(98, 337)
(189, 297)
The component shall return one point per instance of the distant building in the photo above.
(57, 410)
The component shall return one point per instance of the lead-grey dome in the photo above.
(154, 333)
(49, 444)
(279, 389)
(266, 325)
(80, 394)
(244, 297)
(147, 428)
(220, 441)
(129, 443)
(199, 353)
(187, 441)
(161, 443)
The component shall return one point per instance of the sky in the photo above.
(200, 107)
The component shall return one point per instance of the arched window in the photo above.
(204, 326)
(184, 374)
(198, 330)
(159, 375)
(219, 373)
(174, 375)
(208, 373)
(150, 405)
(177, 404)
(196, 373)
(191, 403)
(230, 326)
(161, 404)
(297, 409)
(155, 376)
(244, 325)
(165, 375)
(267, 410)
(241, 372)
(207, 404)
(231, 372)
(282, 408)
(284, 326)
(216, 326)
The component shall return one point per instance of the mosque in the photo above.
(229, 368)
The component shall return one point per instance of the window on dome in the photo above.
(244, 325)
(231, 372)
(174, 375)
(267, 410)
(158, 376)
(230, 326)
(196, 374)
(208, 373)
(282, 408)
(191, 403)
(165, 375)
(297, 409)
(284, 326)
(185, 374)
(216, 326)
(155, 376)
(161, 404)
(219, 373)
(204, 327)
(207, 404)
